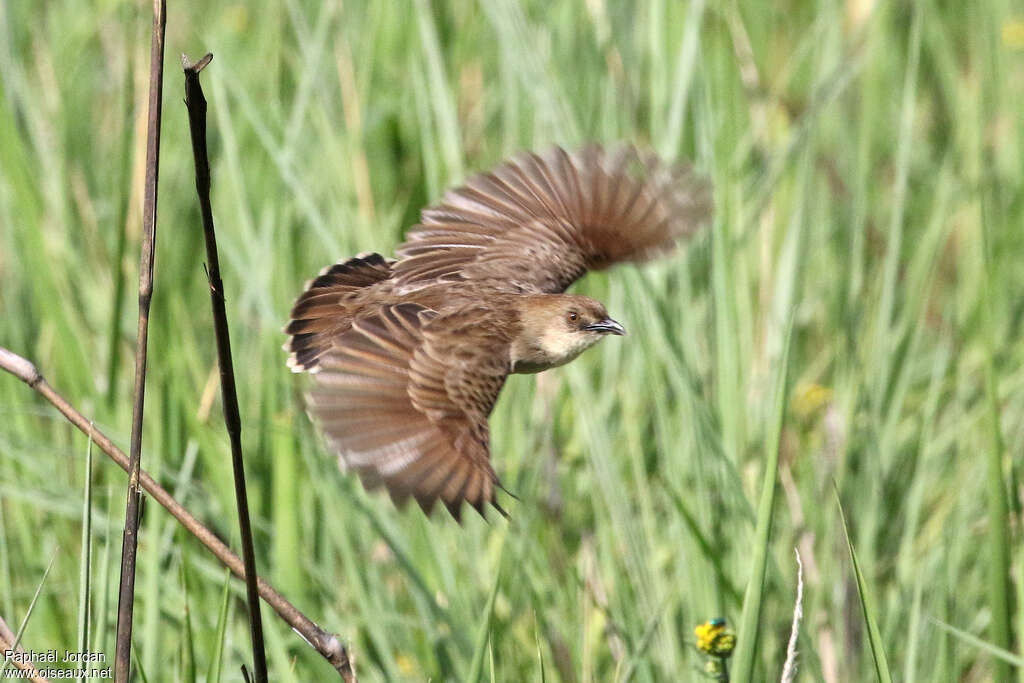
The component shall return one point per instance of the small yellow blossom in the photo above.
(809, 398)
(405, 664)
(715, 639)
(1013, 33)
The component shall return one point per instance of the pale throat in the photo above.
(553, 347)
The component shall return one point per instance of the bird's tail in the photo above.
(326, 308)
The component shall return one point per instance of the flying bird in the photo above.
(409, 354)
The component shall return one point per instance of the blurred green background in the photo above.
(868, 160)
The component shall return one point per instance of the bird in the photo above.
(409, 354)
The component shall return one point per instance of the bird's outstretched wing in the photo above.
(404, 396)
(537, 223)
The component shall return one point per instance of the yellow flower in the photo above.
(715, 639)
(405, 664)
(809, 398)
(1013, 33)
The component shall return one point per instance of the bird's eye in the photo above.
(572, 316)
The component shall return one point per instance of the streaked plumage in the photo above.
(409, 354)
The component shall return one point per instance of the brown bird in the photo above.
(409, 354)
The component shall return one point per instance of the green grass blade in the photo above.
(139, 669)
(483, 634)
(970, 639)
(101, 605)
(188, 655)
(213, 675)
(441, 97)
(890, 284)
(914, 633)
(637, 657)
(998, 564)
(866, 600)
(85, 562)
(708, 549)
(540, 654)
(120, 278)
(683, 78)
(746, 639)
(5, 569)
(28, 614)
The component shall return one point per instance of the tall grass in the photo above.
(868, 161)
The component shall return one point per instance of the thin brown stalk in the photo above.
(7, 644)
(327, 644)
(129, 546)
(195, 102)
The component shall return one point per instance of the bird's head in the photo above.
(559, 327)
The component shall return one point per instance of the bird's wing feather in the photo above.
(326, 309)
(537, 223)
(408, 410)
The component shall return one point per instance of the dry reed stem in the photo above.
(327, 644)
(195, 102)
(130, 541)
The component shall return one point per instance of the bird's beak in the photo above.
(606, 326)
